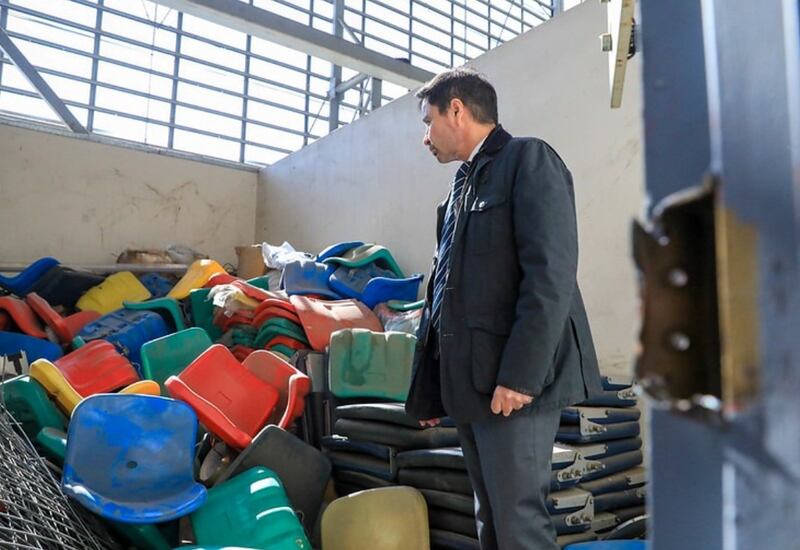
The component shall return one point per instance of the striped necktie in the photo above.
(446, 241)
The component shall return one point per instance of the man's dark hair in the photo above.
(469, 86)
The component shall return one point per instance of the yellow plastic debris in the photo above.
(109, 295)
(196, 276)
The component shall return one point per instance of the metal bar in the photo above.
(175, 72)
(334, 94)
(244, 101)
(95, 51)
(106, 268)
(36, 80)
(351, 83)
(376, 93)
(557, 7)
(3, 24)
(261, 23)
(307, 106)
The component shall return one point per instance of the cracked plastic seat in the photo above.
(390, 518)
(165, 306)
(22, 316)
(65, 328)
(373, 285)
(130, 458)
(21, 283)
(110, 295)
(196, 276)
(12, 343)
(250, 509)
(127, 329)
(321, 319)
(308, 277)
(337, 249)
(370, 364)
(28, 403)
(94, 368)
(368, 253)
(230, 401)
(292, 385)
(169, 355)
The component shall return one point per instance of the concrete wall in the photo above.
(85, 202)
(373, 180)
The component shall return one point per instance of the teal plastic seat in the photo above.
(53, 444)
(162, 306)
(203, 312)
(366, 254)
(363, 363)
(169, 355)
(252, 510)
(277, 326)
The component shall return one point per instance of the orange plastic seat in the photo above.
(241, 352)
(225, 322)
(223, 278)
(322, 318)
(292, 385)
(65, 328)
(276, 302)
(231, 401)
(22, 316)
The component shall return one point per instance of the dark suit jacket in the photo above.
(512, 314)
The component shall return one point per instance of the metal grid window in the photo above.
(143, 72)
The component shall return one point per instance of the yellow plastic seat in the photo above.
(389, 518)
(196, 276)
(66, 397)
(109, 295)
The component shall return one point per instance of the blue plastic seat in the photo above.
(308, 277)
(158, 285)
(21, 283)
(128, 330)
(610, 545)
(130, 458)
(11, 343)
(372, 284)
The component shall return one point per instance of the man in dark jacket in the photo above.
(504, 343)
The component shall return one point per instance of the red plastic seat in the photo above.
(239, 318)
(22, 316)
(270, 312)
(241, 352)
(66, 328)
(220, 279)
(252, 291)
(275, 302)
(286, 341)
(322, 318)
(232, 402)
(292, 385)
(5, 320)
(96, 367)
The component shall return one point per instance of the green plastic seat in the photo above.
(29, 404)
(285, 350)
(261, 282)
(366, 254)
(250, 510)
(169, 355)
(53, 444)
(278, 326)
(363, 363)
(400, 305)
(170, 305)
(203, 312)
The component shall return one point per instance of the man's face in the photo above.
(440, 132)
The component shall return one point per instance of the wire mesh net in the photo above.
(34, 513)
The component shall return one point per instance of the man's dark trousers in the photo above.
(506, 458)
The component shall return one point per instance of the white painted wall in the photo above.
(85, 202)
(373, 180)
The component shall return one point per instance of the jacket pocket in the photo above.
(487, 216)
(487, 351)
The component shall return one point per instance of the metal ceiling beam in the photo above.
(281, 30)
(36, 80)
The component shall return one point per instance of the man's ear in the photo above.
(457, 107)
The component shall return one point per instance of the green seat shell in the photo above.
(366, 254)
(203, 312)
(169, 305)
(170, 354)
(29, 404)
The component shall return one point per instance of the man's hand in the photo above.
(506, 401)
(431, 422)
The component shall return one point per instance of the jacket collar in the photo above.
(496, 140)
